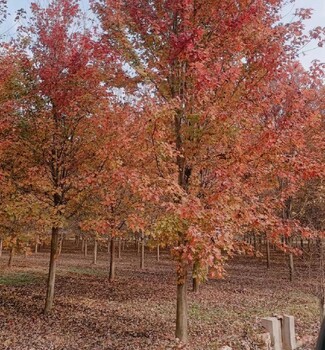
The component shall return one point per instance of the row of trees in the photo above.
(192, 120)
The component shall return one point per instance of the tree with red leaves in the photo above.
(220, 114)
(62, 115)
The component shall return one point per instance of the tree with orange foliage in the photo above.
(219, 126)
(62, 115)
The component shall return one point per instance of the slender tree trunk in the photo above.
(60, 244)
(119, 248)
(142, 252)
(291, 267)
(181, 307)
(76, 240)
(36, 244)
(52, 270)
(82, 245)
(138, 245)
(321, 292)
(112, 261)
(321, 337)
(86, 248)
(195, 279)
(95, 251)
(11, 256)
(1, 244)
(158, 253)
(255, 242)
(301, 244)
(268, 253)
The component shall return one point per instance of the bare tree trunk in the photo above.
(181, 307)
(119, 248)
(195, 278)
(52, 270)
(291, 267)
(158, 253)
(95, 251)
(11, 256)
(77, 240)
(86, 248)
(36, 244)
(321, 292)
(255, 242)
(60, 243)
(1, 245)
(142, 252)
(138, 245)
(321, 337)
(112, 261)
(268, 253)
(82, 245)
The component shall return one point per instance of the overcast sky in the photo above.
(311, 52)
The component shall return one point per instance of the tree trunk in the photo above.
(268, 253)
(195, 279)
(321, 279)
(11, 256)
(60, 244)
(86, 248)
(1, 244)
(76, 240)
(321, 337)
(112, 261)
(158, 253)
(181, 307)
(291, 267)
(82, 245)
(255, 242)
(119, 248)
(52, 270)
(142, 252)
(95, 251)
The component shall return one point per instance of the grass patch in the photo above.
(19, 279)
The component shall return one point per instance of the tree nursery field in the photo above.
(137, 310)
(188, 127)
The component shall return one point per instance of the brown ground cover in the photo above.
(137, 311)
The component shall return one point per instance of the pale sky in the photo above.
(311, 52)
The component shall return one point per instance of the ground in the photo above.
(137, 311)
